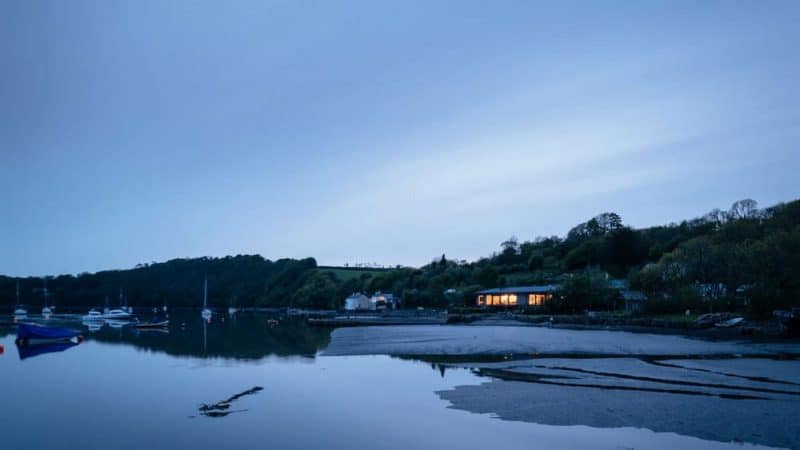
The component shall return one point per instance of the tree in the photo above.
(743, 209)
(510, 245)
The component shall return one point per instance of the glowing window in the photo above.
(536, 299)
(512, 299)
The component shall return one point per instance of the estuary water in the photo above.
(128, 389)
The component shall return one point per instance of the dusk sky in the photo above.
(387, 132)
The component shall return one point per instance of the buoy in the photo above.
(2, 349)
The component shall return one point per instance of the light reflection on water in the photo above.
(127, 390)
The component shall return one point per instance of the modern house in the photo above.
(358, 302)
(516, 296)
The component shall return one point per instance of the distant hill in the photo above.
(741, 258)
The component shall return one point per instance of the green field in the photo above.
(348, 273)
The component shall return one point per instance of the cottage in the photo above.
(516, 296)
(358, 301)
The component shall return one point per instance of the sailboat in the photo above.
(46, 310)
(121, 313)
(206, 312)
(19, 310)
(116, 314)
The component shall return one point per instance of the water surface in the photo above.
(133, 390)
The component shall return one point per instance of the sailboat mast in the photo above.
(17, 292)
(205, 292)
(45, 292)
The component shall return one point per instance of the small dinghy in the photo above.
(152, 325)
(30, 334)
(729, 323)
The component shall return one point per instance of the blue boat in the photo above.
(31, 334)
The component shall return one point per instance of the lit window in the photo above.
(536, 299)
(512, 299)
(481, 300)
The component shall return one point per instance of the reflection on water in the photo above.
(245, 335)
(132, 389)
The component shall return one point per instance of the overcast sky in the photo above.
(387, 132)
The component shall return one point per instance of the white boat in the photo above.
(117, 314)
(46, 310)
(114, 314)
(93, 316)
(19, 310)
(730, 323)
(206, 311)
(93, 325)
(117, 324)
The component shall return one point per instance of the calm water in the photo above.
(127, 390)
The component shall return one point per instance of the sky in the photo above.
(379, 132)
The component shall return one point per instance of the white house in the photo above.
(358, 301)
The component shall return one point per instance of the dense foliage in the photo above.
(246, 280)
(743, 258)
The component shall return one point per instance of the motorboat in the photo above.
(113, 314)
(118, 314)
(93, 316)
(117, 323)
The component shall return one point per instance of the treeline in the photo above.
(243, 280)
(742, 258)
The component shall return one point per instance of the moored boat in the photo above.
(206, 313)
(31, 334)
(19, 310)
(152, 325)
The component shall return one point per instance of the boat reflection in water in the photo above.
(251, 336)
(33, 339)
(29, 351)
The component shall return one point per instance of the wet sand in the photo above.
(729, 391)
(499, 340)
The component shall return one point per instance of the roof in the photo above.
(618, 284)
(541, 289)
(634, 296)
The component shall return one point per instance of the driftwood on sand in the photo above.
(222, 407)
